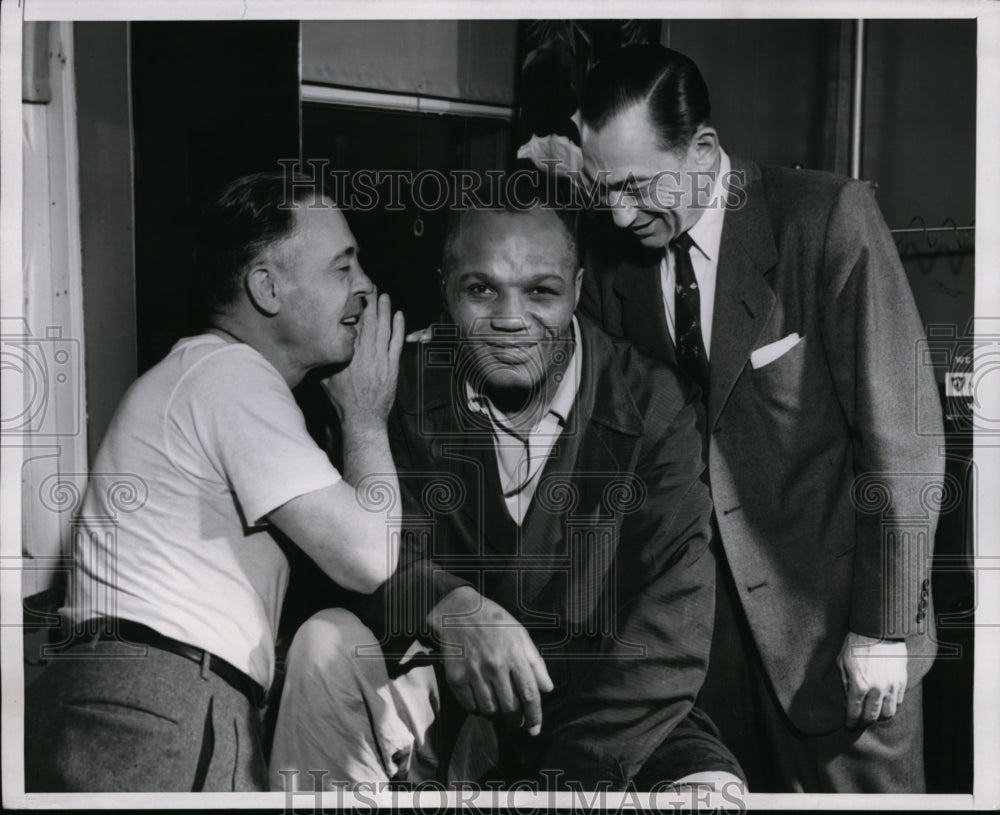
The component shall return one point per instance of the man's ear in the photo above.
(262, 289)
(578, 285)
(443, 290)
(705, 146)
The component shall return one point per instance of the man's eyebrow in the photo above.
(545, 277)
(534, 280)
(474, 273)
(349, 252)
(630, 180)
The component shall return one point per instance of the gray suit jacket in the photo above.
(824, 464)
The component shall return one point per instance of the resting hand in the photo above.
(422, 335)
(874, 675)
(553, 153)
(490, 661)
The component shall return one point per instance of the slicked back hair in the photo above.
(668, 81)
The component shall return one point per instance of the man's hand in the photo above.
(348, 529)
(874, 676)
(497, 668)
(555, 154)
(420, 335)
(364, 391)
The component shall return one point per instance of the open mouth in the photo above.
(351, 321)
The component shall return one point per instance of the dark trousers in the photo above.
(480, 754)
(886, 757)
(111, 717)
(694, 746)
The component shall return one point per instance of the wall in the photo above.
(920, 148)
(211, 101)
(781, 95)
(47, 342)
(106, 218)
(472, 60)
(774, 86)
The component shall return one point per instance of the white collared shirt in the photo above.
(706, 235)
(520, 458)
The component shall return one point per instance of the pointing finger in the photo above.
(531, 700)
(541, 673)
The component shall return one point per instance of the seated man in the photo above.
(555, 556)
(172, 607)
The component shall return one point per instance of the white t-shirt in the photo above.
(217, 439)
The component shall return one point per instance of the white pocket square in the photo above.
(769, 353)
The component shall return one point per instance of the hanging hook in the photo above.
(418, 224)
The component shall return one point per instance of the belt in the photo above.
(127, 631)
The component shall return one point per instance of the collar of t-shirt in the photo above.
(706, 236)
(520, 455)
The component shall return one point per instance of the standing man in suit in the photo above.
(556, 555)
(781, 294)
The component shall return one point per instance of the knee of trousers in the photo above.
(333, 642)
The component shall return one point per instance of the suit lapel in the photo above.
(463, 447)
(743, 299)
(641, 290)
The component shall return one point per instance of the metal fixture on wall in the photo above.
(917, 240)
(917, 225)
(857, 97)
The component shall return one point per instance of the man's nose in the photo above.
(623, 214)
(362, 283)
(508, 323)
(508, 313)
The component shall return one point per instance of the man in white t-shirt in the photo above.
(171, 609)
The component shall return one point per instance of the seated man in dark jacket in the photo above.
(554, 569)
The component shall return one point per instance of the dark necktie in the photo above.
(687, 314)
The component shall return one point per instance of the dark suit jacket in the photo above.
(610, 572)
(823, 464)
